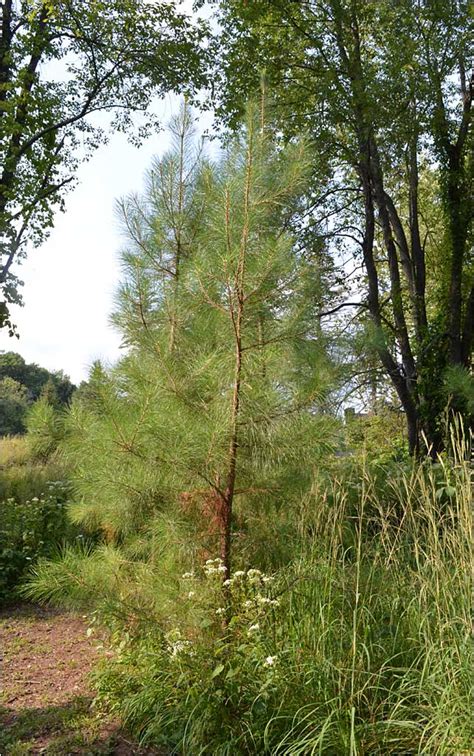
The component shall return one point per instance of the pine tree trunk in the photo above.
(236, 314)
(178, 232)
(228, 497)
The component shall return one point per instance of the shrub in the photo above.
(219, 667)
(30, 527)
(379, 437)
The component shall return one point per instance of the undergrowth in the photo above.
(34, 522)
(361, 644)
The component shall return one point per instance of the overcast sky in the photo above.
(70, 280)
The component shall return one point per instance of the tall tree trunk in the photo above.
(178, 229)
(228, 497)
(376, 178)
(417, 252)
(237, 301)
(5, 50)
(458, 226)
(458, 199)
(386, 358)
(370, 172)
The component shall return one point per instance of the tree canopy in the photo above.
(385, 90)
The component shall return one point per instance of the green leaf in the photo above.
(217, 671)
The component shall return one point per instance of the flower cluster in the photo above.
(261, 601)
(246, 606)
(176, 645)
(214, 567)
(252, 576)
(270, 661)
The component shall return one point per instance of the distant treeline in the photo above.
(22, 384)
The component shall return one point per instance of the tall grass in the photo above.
(378, 622)
(364, 646)
(21, 475)
(14, 450)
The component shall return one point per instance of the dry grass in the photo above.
(14, 450)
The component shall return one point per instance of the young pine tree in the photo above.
(212, 419)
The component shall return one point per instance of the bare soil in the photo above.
(46, 702)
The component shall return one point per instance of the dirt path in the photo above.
(45, 698)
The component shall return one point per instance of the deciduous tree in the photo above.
(386, 91)
(62, 62)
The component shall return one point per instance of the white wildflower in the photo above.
(191, 594)
(176, 644)
(227, 582)
(263, 601)
(214, 566)
(238, 574)
(270, 661)
(187, 575)
(220, 611)
(254, 575)
(254, 628)
(275, 602)
(178, 647)
(248, 604)
(267, 579)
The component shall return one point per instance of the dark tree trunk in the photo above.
(417, 251)
(456, 167)
(398, 379)
(468, 331)
(5, 50)
(458, 231)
